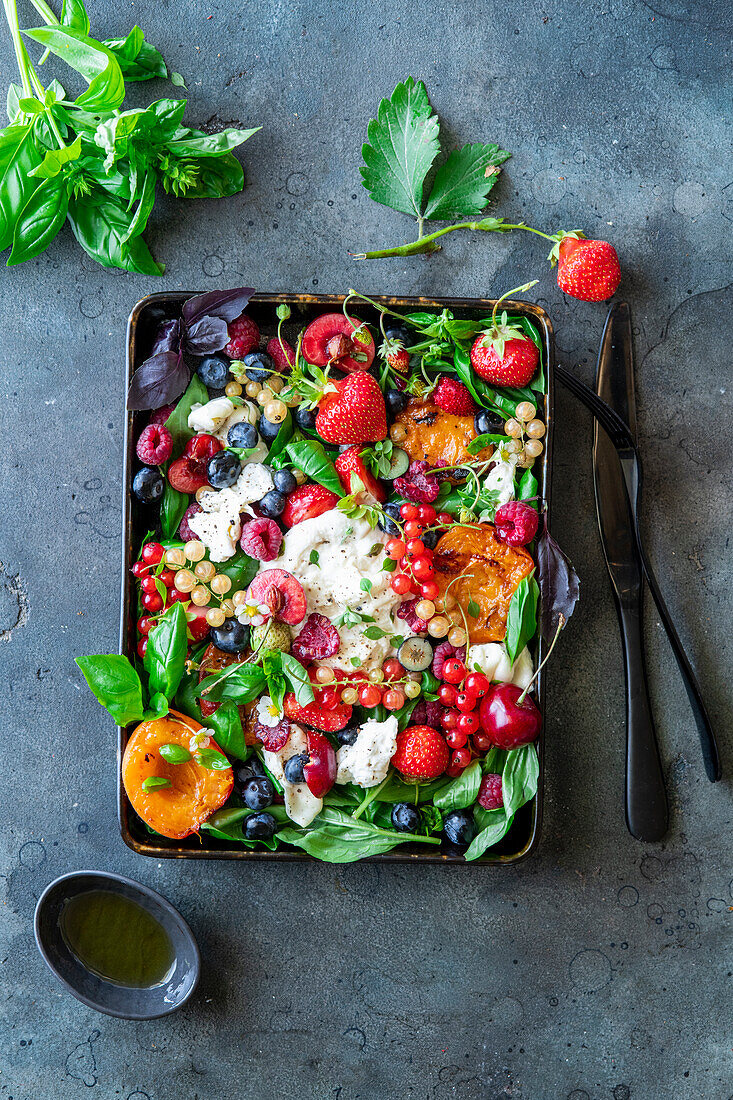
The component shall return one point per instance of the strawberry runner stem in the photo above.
(427, 244)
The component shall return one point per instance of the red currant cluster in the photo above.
(391, 685)
(153, 573)
(461, 694)
(413, 556)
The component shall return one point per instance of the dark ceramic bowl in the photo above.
(105, 996)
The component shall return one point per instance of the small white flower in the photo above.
(267, 712)
(200, 740)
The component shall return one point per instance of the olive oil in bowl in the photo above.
(117, 939)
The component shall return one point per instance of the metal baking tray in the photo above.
(523, 837)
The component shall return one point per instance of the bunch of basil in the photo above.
(85, 161)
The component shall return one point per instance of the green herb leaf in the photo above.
(99, 224)
(374, 633)
(521, 624)
(281, 440)
(528, 488)
(473, 609)
(74, 15)
(519, 777)
(40, 221)
(174, 753)
(116, 685)
(461, 792)
(226, 723)
(314, 558)
(310, 457)
(172, 509)
(55, 159)
(336, 837)
(241, 570)
(403, 143)
(462, 184)
(482, 441)
(211, 759)
(18, 157)
(493, 825)
(165, 655)
(298, 679)
(137, 58)
(155, 782)
(365, 584)
(241, 683)
(177, 423)
(87, 56)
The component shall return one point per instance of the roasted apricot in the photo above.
(436, 435)
(488, 573)
(194, 793)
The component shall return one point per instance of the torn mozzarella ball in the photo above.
(493, 660)
(210, 417)
(366, 762)
(219, 524)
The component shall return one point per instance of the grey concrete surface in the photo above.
(601, 969)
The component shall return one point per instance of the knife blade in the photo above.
(616, 484)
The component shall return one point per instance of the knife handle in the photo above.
(646, 799)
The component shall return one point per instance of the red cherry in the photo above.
(449, 719)
(477, 683)
(202, 448)
(147, 584)
(139, 569)
(145, 624)
(329, 698)
(422, 567)
(395, 549)
(429, 590)
(466, 702)
(456, 738)
(142, 645)
(151, 601)
(370, 695)
(168, 578)
(445, 518)
(400, 583)
(408, 511)
(320, 771)
(453, 671)
(468, 723)
(152, 553)
(481, 740)
(506, 721)
(415, 547)
(461, 758)
(413, 529)
(426, 513)
(447, 694)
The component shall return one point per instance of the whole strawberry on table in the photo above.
(337, 600)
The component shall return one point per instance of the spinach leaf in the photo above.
(40, 220)
(335, 837)
(227, 726)
(241, 683)
(165, 656)
(177, 423)
(521, 624)
(310, 457)
(172, 508)
(460, 792)
(116, 684)
(241, 570)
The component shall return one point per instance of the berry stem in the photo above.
(517, 290)
(371, 795)
(426, 244)
(560, 624)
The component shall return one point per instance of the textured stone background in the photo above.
(600, 970)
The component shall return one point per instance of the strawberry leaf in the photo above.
(461, 186)
(403, 143)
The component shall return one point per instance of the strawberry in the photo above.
(452, 396)
(395, 354)
(326, 712)
(355, 413)
(588, 270)
(504, 355)
(421, 755)
(307, 502)
(350, 464)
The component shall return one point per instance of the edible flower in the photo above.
(268, 713)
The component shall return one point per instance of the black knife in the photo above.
(616, 484)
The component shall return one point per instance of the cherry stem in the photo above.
(517, 290)
(561, 620)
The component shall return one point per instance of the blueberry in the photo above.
(272, 504)
(305, 418)
(258, 366)
(347, 736)
(259, 826)
(242, 435)
(284, 481)
(258, 793)
(293, 769)
(486, 422)
(391, 510)
(399, 332)
(231, 636)
(395, 401)
(223, 469)
(429, 539)
(148, 485)
(406, 818)
(213, 371)
(244, 772)
(459, 827)
(267, 429)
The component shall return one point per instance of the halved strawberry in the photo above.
(355, 413)
(307, 502)
(332, 338)
(315, 714)
(350, 463)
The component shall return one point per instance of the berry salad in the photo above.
(338, 597)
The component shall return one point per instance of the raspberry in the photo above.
(261, 539)
(427, 713)
(155, 445)
(406, 612)
(319, 638)
(184, 531)
(452, 396)
(244, 337)
(161, 415)
(441, 655)
(490, 793)
(281, 354)
(273, 738)
(516, 523)
(417, 484)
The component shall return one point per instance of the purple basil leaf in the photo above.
(167, 337)
(559, 585)
(227, 304)
(206, 335)
(158, 381)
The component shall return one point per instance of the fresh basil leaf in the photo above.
(397, 791)
(242, 685)
(177, 422)
(519, 777)
(528, 489)
(158, 381)
(521, 625)
(212, 759)
(14, 95)
(198, 144)
(310, 457)
(87, 56)
(155, 782)
(281, 440)
(226, 723)
(165, 655)
(403, 143)
(462, 183)
(158, 707)
(138, 59)
(74, 15)
(186, 701)
(494, 825)
(482, 441)
(116, 685)
(106, 90)
(227, 304)
(559, 584)
(172, 509)
(55, 159)
(462, 791)
(241, 570)
(174, 753)
(144, 208)
(216, 177)
(473, 609)
(99, 224)
(298, 679)
(335, 837)
(18, 157)
(40, 221)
